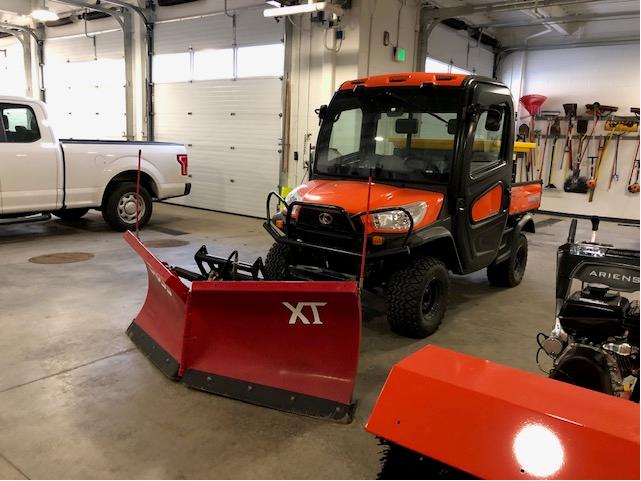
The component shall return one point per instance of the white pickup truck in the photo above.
(40, 174)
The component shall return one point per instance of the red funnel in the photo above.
(532, 103)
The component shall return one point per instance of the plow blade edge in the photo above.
(287, 345)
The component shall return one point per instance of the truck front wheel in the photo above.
(119, 209)
(276, 262)
(509, 273)
(417, 297)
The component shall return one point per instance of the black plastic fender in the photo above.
(442, 235)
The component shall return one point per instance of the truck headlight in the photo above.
(293, 196)
(397, 219)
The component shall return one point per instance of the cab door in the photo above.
(483, 199)
(28, 165)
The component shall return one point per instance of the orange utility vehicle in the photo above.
(422, 165)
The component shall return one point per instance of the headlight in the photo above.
(293, 196)
(588, 250)
(397, 219)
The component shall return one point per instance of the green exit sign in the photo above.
(399, 54)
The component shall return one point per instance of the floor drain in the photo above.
(61, 258)
(166, 243)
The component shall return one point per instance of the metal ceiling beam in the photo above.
(118, 16)
(566, 19)
(450, 12)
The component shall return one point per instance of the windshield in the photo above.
(404, 135)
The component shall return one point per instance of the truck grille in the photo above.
(328, 227)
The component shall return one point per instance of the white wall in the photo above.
(608, 75)
(320, 64)
(457, 48)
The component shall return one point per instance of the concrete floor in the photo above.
(78, 400)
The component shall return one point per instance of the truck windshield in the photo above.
(402, 134)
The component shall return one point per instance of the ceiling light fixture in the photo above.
(43, 14)
(310, 7)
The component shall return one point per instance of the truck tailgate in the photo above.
(525, 196)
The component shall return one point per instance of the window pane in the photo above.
(20, 124)
(346, 134)
(173, 67)
(487, 144)
(213, 64)
(262, 60)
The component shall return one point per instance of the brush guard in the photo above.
(287, 345)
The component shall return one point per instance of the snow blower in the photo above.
(454, 416)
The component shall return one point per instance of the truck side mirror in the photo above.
(452, 125)
(493, 120)
(407, 126)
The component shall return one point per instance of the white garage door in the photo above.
(85, 86)
(220, 93)
(12, 71)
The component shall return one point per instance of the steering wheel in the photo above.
(421, 164)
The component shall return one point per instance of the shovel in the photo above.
(554, 130)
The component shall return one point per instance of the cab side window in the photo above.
(19, 124)
(487, 151)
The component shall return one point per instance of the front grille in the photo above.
(340, 233)
(310, 217)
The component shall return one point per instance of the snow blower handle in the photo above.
(572, 232)
(595, 227)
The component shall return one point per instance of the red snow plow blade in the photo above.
(495, 422)
(287, 345)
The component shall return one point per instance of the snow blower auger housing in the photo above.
(439, 150)
(287, 345)
(454, 416)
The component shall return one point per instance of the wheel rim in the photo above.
(519, 263)
(430, 297)
(127, 208)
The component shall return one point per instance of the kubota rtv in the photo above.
(438, 149)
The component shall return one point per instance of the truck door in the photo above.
(483, 194)
(28, 166)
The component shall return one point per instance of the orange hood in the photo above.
(352, 196)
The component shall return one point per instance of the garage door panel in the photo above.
(232, 132)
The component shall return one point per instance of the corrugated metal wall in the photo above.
(12, 71)
(85, 86)
(231, 127)
(231, 130)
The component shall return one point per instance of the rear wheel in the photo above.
(70, 214)
(509, 273)
(119, 209)
(276, 262)
(417, 297)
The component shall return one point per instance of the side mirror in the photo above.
(493, 120)
(406, 126)
(321, 112)
(452, 125)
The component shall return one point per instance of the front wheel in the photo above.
(119, 209)
(276, 262)
(509, 273)
(417, 297)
